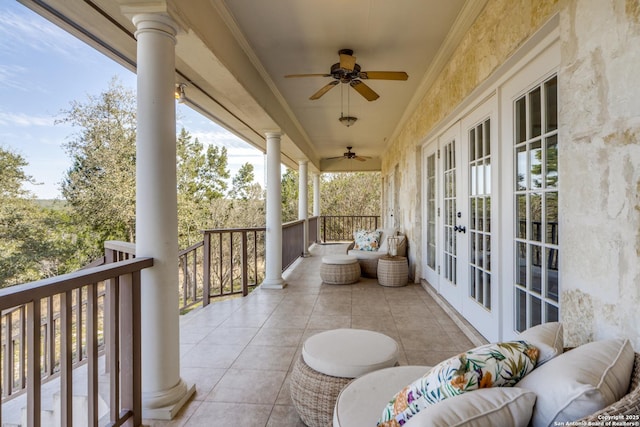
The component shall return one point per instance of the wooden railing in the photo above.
(341, 228)
(51, 325)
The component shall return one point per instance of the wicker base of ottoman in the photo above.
(314, 394)
(338, 270)
(393, 271)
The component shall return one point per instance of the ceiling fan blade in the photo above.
(360, 158)
(347, 62)
(364, 90)
(307, 75)
(383, 75)
(334, 158)
(323, 90)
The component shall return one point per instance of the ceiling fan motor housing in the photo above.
(345, 76)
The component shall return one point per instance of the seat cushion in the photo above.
(349, 353)
(339, 259)
(359, 403)
(366, 254)
(491, 365)
(580, 382)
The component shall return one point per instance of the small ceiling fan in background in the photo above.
(350, 155)
(347, 71)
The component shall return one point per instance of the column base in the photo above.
(273, 284)
(168, 412)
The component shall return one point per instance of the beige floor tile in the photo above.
(285, 337)
(321, 321)
(265, 357)
(210, 414)
(284, 416)
(230, 336)
(211, 356)
(284, 321)
(248, 386)
(204, 379)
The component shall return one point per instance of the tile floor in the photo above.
(240, 352)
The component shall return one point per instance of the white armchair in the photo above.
(369, 259)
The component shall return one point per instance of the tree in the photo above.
(100, 186)
(242, 185)
(35, 242)
(289, 185)
(353, 193)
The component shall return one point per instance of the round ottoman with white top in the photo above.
(329, 361)
(340, 269)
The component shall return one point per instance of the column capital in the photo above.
(273, 133)
(152, 15)
(303, 162)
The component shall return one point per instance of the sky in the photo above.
(42, 70)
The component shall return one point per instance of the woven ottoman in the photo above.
(393, 271)
(329, 361)
(339, 269)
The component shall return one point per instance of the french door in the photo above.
(459, 217)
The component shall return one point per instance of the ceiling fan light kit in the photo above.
(348, 121)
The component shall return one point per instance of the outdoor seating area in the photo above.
(241, 353)
(287, 358)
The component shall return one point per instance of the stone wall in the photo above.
(499, 30)
(599, 154)
(599, 161)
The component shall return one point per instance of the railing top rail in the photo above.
(350, 216)
(120, 246)
(27, 292)
(233, 230)
(292, 223)
(191, 248)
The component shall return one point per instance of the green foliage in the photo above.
(100, 186)
(35, 242)
(353, 193)
(289, 185)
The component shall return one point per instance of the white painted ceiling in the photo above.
(304, 36)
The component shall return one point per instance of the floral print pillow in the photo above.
(367, 240)
(492, 365)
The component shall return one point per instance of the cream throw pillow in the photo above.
(580, 382)
(548, 338)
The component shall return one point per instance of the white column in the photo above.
(273, 239)
(316, 203)
(163, 391)
(316, 194)
(303, 205)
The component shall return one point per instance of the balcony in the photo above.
(239, 351)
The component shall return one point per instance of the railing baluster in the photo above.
(50, 340)
(136, 349)
(33, 364)
(78, 334)
(66, 359)
(92, 354)
(114, 346)
(8, 355)
(127, 343)
(23, 348)
(206, 268)
(245, 284)
(231, 269)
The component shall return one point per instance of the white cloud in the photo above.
(25, 120)
(21, 28)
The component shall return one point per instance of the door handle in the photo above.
(460, 228)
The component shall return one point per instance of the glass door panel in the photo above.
(536, 206)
